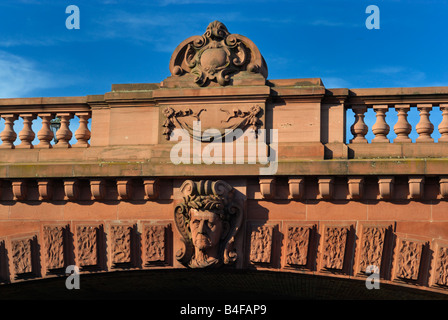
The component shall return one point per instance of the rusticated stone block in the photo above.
(88, 245)
(121, 244)
(155, 243)
(298, 245)
(54, 246)
(261, 238)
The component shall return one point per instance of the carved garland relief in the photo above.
(225, 119)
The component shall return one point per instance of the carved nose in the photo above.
(202, 227)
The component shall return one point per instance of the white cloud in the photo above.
(19, 77)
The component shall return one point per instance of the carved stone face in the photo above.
(208, 219)
(207, 231)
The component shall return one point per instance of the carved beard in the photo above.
(202, 260)
(202, 242)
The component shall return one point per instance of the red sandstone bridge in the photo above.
(107, 196)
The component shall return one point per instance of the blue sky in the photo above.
(132, 41)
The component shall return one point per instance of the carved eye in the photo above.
(211, 225)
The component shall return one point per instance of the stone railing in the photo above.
(397, 122)
(402, 127)
(44, 111)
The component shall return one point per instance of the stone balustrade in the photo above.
(45, 135)
(402, 128)
(31, 118)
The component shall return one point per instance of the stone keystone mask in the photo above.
(208, 219)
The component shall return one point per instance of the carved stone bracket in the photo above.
(19, 189)
(71, 189)
(124, 189)
(151, 187)
(416, 186)
(326, 187)
(296, 187)
(98, 189)
(444, 186)
(267, 187)
(386, 187)
(45, 188)
(355, 187)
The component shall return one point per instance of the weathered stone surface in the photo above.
(298, 244)
(88, 245)
(261, 238)
(121, 241)
(54, 246)
(335, 205)
(155, 243)
(334, 245)
(409, 256)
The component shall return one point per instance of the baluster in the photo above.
(83, 132)
(8, 135)
(424, 127)
(27, 135)
(380, 129)
(45, 135)
(402, 128)
(359, 129)
(443, 126)
(64, 134)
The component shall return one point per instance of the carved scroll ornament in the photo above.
(216, 56)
